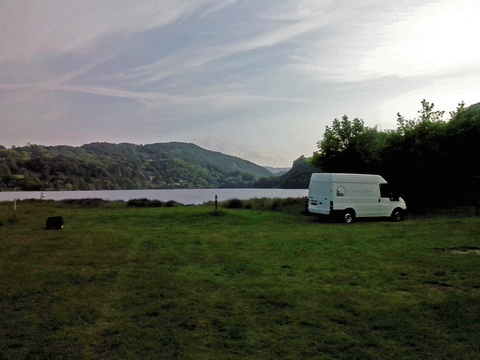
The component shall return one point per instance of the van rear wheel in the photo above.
(349, 216)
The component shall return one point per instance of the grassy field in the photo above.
(183, 282)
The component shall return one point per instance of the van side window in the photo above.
(385, 191)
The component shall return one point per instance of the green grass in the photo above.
(190, 283)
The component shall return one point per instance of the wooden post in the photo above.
(216, 203)
(15, 209)
(477, 195)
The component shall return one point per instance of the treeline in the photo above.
(103, 166)
(431, 161)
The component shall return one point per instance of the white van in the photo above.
(354, 195)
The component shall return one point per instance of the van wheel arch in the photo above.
(348, 216)
(398, 214)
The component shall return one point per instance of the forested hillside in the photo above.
(432, 161)
(298, 177)
(107, 166)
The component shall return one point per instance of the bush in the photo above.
(144, 202)
(34, 201)
(171, 203)
(290, 205)
(233, 204)
(85, 203)
(155, 203)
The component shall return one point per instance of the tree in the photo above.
(460, 108)
(403, 126)
(337, 137)
(427, 116)
(346, 145)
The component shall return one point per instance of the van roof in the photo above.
(341, 177)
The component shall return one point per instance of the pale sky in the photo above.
(255, 79)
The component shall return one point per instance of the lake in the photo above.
(183, 196)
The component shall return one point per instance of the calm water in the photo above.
(193, 196)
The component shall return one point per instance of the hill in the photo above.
(474, 107)
(197, 154)
(277, 171)
(105, 166)
(298, 177)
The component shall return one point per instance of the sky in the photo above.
(257, 79)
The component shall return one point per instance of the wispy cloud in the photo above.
(191, 60)
(31, 28)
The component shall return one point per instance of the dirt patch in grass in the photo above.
(440, 287)
(466, 251)
(461, 250)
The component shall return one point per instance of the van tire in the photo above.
(398, 215)
(348, 216)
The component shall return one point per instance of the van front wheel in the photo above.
(398, 215)
(348, 216)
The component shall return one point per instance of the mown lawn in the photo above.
(189, 283)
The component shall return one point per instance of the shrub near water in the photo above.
(144, 202)
(83, 202)
(233, 204)
(289, 205)
(150, 283)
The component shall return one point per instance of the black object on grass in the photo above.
(54, 223)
